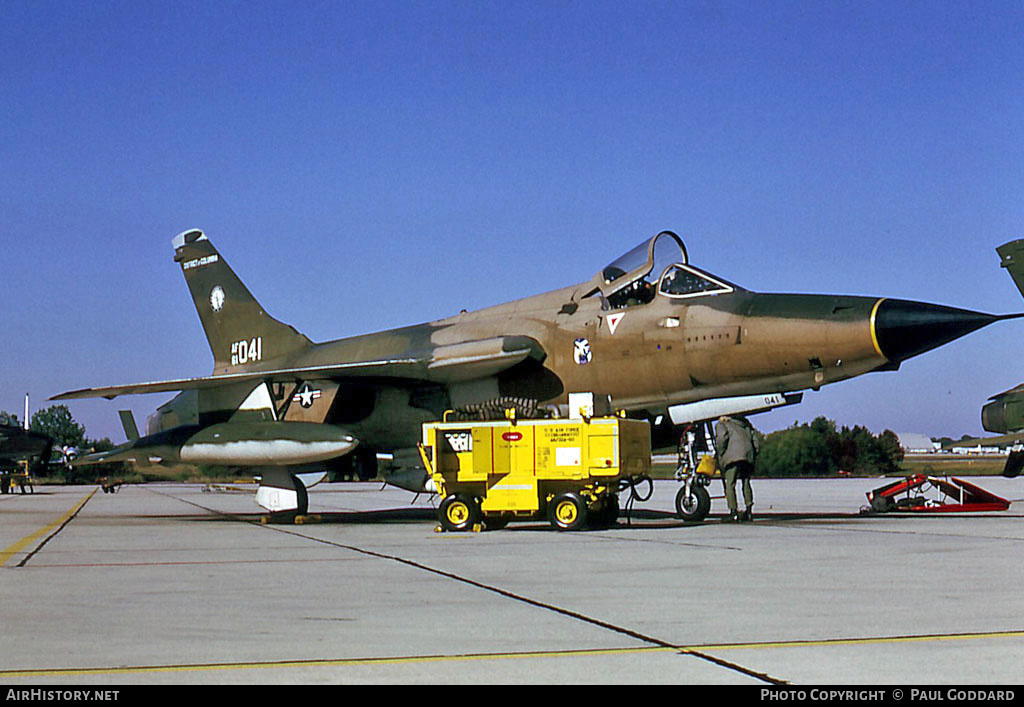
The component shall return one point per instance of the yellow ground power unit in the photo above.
(565, 470)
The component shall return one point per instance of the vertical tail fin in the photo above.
(241, 334)
(1012, 258)
(131, 430)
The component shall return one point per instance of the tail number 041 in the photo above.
(247, 351)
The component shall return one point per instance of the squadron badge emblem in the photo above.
(581, 351)
(217, 298)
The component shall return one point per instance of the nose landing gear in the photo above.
(693, 500)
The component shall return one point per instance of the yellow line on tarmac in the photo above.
(861, 641)
(26, 541)
(339, 662)
(405, 660)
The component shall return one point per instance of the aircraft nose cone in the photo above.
(903, 328)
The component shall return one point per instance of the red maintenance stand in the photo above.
(948, 495)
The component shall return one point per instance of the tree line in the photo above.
(820, 448)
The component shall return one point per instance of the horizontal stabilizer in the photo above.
(120, 453)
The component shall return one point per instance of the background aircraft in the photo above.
(19, 444)
(1004, 413)
(650, 334)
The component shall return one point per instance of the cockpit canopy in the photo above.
(626, 281)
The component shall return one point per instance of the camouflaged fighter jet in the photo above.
(650, 334)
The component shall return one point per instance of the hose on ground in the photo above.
(634, 484)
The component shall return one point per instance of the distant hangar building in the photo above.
(917, 443)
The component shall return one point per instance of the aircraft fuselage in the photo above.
(645, 357)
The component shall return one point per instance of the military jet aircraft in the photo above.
(18, 444)
(650, 334)
(1004, 413)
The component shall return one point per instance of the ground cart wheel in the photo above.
(459, 512)
(567, 512)
(694, 507)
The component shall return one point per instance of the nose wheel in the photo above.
(693, 502)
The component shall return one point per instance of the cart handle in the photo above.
(426, 461)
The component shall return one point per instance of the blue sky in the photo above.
(364, 165)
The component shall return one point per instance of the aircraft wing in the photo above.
(442, 364)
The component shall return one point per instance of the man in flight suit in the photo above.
(737, 444)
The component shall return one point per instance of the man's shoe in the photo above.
(747, 516)
(733, 517)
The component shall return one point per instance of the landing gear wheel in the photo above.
(458, 512)
(567, 511)
(694, 507)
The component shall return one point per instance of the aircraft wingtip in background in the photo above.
(1004, 413)
(1012, 258)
